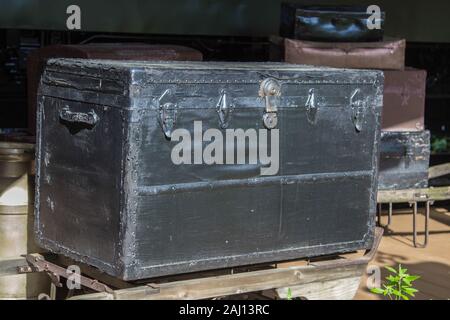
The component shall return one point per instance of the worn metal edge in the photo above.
(377, 109)
(260, 181)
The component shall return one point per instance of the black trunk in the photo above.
(330, 24)
(109, 195)
(404, 160)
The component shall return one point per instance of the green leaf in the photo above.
(289, 294)
(412, 278)
(393, 279)
(402, 271)
(405, 286)
(396, 292)
(388, 287)
(406, 283)
(377, 290)
(391, 269)
(410, 291)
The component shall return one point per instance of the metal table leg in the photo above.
(380, 207)
(390, 214)
(427, 217)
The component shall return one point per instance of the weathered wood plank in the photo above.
(340, 289)
(439, 170)
(411, 195)
(204, 288)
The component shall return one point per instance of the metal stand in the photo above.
(414, 196)
(427, 217)
(412, 204)
(379, 210)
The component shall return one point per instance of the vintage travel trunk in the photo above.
(404, 160)
(404, 100)
(329, 23)
(111, 194)
(386, 55)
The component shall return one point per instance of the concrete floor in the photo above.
(431, 263)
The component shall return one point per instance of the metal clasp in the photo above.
(167, 112)
(358, 107)
(311, 108)
(270, 90)
(224, 109)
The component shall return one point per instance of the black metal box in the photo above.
(109, 192)
(404, 159)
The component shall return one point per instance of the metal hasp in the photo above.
(270, 90)
(37, 263)
(311, 108)
(224, 109)
(358, 107)
(167, 112)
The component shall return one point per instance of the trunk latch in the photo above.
(311, 108)
(358, 107)
(224, 108)
(270, 90)
(167, 112)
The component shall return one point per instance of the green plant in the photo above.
(439, 144)
(398, 284)
(289, 294)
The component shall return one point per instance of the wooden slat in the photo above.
(411, 195)
(204, 288)
(340, 289)
(439, 170)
